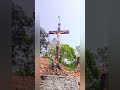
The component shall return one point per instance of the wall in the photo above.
(58, 83)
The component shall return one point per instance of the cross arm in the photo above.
(52, 32)
(61, 32)
(64, 32)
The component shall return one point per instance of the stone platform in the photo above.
(50, 82)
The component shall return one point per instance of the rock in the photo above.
(58, 83)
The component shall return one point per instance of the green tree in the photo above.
(67, 52)
(92, 71)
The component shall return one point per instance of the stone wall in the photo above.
(58, 83)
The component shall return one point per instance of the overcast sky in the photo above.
(70, 15)
(69, 12)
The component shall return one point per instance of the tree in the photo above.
(22, 43)
(43, 40)
(92, 71)
(102, 58)
(52, 47)
(77, 49)
(67, 52)
(102, 55)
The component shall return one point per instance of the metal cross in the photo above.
(58, 32)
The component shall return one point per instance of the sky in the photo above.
(69, 12)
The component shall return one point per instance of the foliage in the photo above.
(102, 61)
(77, 49)
(92, 72)
(70, 66)
(102, 54)
(67, 52)
(52, 47)
(22, 43)
(43, 40)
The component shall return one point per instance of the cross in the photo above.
(58, 32)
